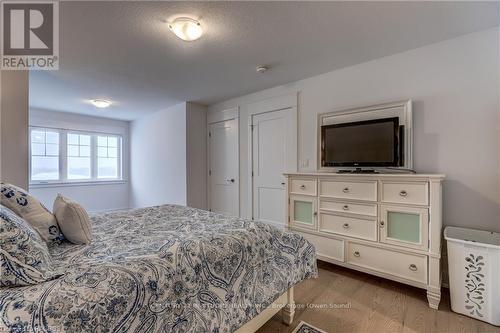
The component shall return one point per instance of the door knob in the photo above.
(283, 183)
(230, 180)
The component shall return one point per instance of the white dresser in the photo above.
(387, 225)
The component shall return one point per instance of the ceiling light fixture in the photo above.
(261, 69)
(186, 28)
(100, 103)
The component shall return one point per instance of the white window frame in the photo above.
(63, 159)
(95, 145)
(31, 129)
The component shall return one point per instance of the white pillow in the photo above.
(73, 220)
(31, 210)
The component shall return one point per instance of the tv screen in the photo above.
(364, 143)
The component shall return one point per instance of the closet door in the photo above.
(223, 167)
(274, 151)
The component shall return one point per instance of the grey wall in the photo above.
(455, 90)
(158, 158)
(168, 157)
(14, 127)
(196, 155)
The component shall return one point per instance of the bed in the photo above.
(165, 269)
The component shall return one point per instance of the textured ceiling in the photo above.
(123, 51)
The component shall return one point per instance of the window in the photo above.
(79, 163)
(107, 157)
(65, 156)
(44, 155)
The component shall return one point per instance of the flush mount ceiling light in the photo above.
(186, 28)
(261, 69)
(100, 103)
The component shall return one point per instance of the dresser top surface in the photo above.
(367, 175)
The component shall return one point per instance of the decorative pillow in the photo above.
(24, 256)
(73, 220)
(31, 210)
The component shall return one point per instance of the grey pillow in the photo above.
(31, 210)
(73, 220)
(24, 256)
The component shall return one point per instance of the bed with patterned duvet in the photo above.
(167, 268)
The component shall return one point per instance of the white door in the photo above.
(274, 151)
(223, 172)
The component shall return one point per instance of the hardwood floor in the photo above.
(369, 304)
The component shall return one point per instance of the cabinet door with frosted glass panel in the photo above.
(303, 211)
(404, 226)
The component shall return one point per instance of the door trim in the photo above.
(270, 105)
(229, 114)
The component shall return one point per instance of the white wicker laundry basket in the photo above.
(474, 272)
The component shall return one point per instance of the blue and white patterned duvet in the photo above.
(162, 269)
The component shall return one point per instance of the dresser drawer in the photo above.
(403, 265)
(366, 190)
(408, 193)
(349, 226)
(327, 248)
(303, 186)
(347, 207)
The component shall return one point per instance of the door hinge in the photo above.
(209, 172)
(252, 127)
(252, 173)
(209, 134)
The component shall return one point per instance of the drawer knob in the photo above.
(403, 193)
(345, 207)
(346, 225)
(413, 267)
(302, 186)
(382, 223)
(356, 254)
(283, 183)
(346, 190)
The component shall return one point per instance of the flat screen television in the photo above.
(370, 143)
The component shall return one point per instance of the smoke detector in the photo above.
(261, 69)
